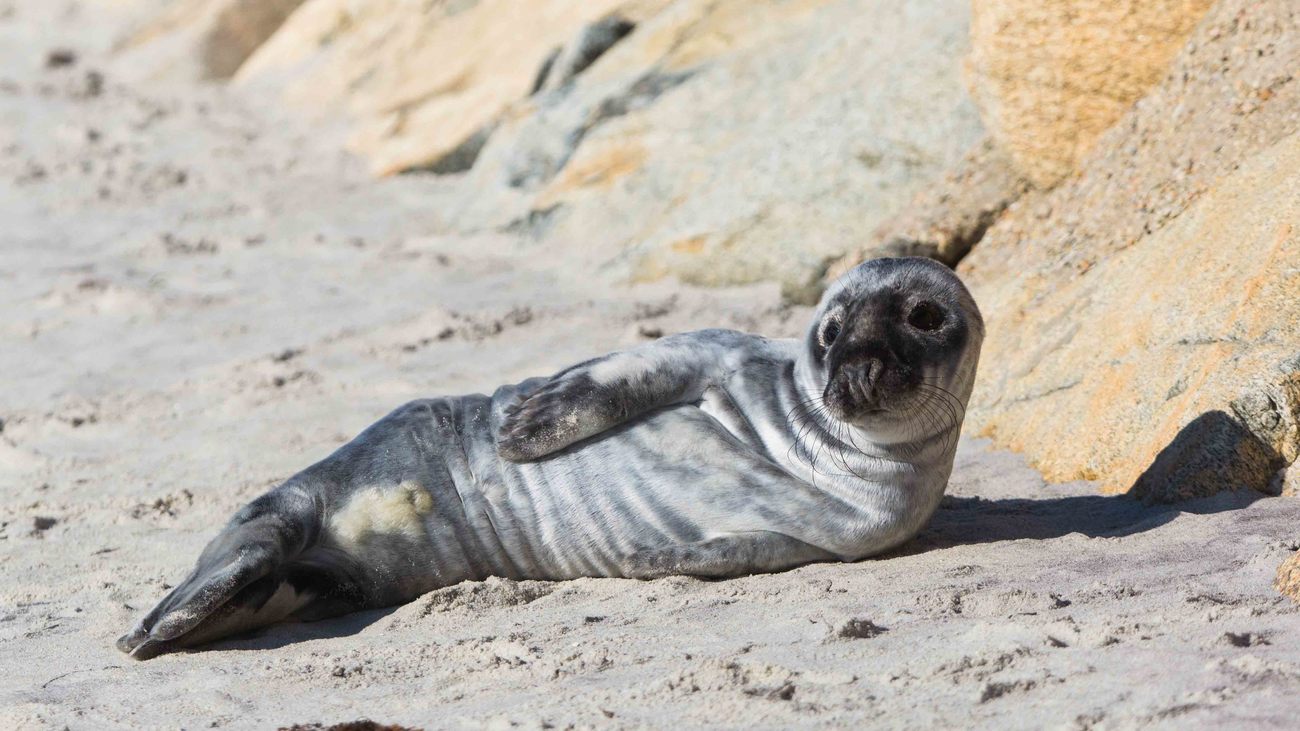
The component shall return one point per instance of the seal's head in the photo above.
(893, 338)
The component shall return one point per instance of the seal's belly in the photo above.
(676, 476)
(426, 495)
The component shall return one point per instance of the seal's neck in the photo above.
(922, 444)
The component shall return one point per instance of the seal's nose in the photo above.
(863, 379)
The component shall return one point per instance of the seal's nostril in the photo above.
(858, 388)
(874, 369)
(871, 372)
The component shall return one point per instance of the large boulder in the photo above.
(1144, 317)
(423, 83)
(1051, 75)
(716, 141)
(728, 142)
(947, 217)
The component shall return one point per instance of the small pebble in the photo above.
(60, 57)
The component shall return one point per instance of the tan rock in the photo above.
(1288, 578)
(420, 80)
(1143, 317)
(1051, 75)
(206, 39)
(948, 216)
(241, 27)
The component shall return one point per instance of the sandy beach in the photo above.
(203, 294)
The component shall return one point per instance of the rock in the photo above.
(592, 41)
(423, 83)
(717, 142)
(1050, 76)
(241, 27)
(538, 138)
(859, 629)
(1243, 639)
(949, 217)
(1142, 317)
(1286, 482)
(729, 142)
(206, 39)
(1288, 578)
(60, 57)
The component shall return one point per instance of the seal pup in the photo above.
(712, 453)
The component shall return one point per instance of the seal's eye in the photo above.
(830, 331)
(926, 316)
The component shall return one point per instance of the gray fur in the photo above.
(712, 453)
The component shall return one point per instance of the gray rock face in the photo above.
(568, 61)
(946, 219)
(723, 144)
(530, 151)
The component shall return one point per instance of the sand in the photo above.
(202, 295)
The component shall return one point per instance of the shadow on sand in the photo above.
(972, 520)
(290, 633)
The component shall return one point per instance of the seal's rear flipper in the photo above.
(299, 593)
(262, 568)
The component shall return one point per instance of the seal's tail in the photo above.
(263, 567)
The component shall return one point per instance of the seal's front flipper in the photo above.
(260, 569)
(565, 410)
(598, 395)
(738, 554)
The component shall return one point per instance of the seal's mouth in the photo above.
(857, 413)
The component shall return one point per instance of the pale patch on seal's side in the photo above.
(382, 510)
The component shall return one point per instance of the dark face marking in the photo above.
(895, 329)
